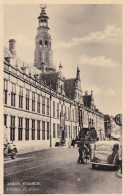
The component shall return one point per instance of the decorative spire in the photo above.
(78, 73)
(43, 7)
(60, 66)
(43, 18)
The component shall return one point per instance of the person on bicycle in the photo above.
(81, 147)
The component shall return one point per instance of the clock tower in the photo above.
(43, 52)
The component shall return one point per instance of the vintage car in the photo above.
(105, 153)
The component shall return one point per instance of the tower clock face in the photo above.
(40, 43)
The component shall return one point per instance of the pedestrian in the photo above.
(81, 145)
(73, 142)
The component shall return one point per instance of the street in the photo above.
(56, 171)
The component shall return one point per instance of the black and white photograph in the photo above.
(62, 97)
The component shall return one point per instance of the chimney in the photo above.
(92, 95)
(12, 46)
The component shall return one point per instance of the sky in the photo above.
(87, 36)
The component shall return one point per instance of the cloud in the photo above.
(111, 34)
(100, 61)
(22, 40)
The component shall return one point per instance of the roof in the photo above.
(50, 79)
(69, 85)
(7, 53)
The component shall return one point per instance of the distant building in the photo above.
(107, 125)
(41, 106)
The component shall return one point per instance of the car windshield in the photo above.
(103, 147)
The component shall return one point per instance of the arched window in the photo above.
(40, 43)
(46, 43)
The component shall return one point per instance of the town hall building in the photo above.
(41, 106)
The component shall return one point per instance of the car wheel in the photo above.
(93, 166)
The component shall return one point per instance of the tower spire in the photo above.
(43, 18)
(43, 51)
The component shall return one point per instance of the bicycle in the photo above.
(86, 153)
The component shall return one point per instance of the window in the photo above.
(12, 128)
(92, 122)
(68, 113)
(47, 106)
(54, 131)
(20, 97)
(57, 110)
(72, 114)
(5, 91)
(38, 103)
(76, 115)
(13, 94)
(46, 54)
(53, 109)
(20, 129)
(74, 132)
(43, 130)
(38, 130)
(47, 130)
(69, 132)
(33, 129)
(40, 43)
(27, 129)
(5, 120)
(43, 105)
(61, 108)
(58, 131)
(65, 112)
(46, 43)
(33, 101)
(65, 131)
(27, 99)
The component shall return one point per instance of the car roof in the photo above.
(111, 143)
